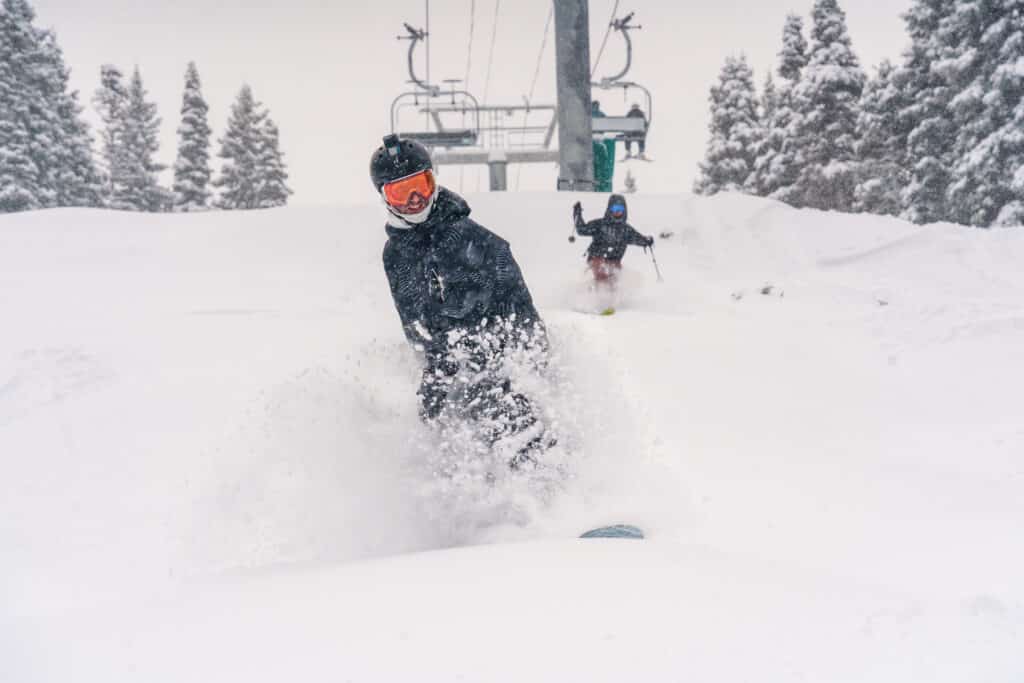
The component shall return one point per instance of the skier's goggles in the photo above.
(400, 193)
(618, 209)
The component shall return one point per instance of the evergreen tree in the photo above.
(273, 188)
(253, 175)
(192, 168)
(769, 98)
(1012, 213)
(241, 149)
(45, 150)
(734, 128)
(37, 111)
(19, 172)
(110, 101)
(139, 188)
(759, 144)
(775, 167)
(1006, 158)
(827, 102)
(983, 64)
(926, 114)
(76, 180)
(793, 57)
(881, 146)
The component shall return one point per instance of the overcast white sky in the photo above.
(328, 70)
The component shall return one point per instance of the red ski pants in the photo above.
(605, 270)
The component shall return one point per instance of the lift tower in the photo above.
(572, 56)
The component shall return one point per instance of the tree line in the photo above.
(936, 137)
(47, 155)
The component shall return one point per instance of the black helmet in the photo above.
(397, 159)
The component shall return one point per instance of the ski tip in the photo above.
(615, 531)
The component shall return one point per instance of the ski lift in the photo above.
(424, 100)
(624, 127)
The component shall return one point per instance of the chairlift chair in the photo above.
(437, 135)
(624, 127)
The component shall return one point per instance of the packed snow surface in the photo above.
(211, 466)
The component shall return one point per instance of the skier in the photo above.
(595, 110)
(609, 238)
(636, 113)
(460, 296)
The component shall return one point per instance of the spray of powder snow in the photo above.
(584, 296)
(602, 469)
(315, 471)
(335, 465)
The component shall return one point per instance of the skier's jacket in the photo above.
(637, 113)
(610, 235)
(450, 274)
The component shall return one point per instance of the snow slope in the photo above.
(211, 468)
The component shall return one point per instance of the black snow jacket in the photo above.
(610, 235)
(452, 274)
(636, 114)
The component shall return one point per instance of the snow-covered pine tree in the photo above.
(241, 150)
(75, 178)
(882, 145)
(765, 112)
(37, 83)
(827, 102)
(192, 168)
(769, 98)
(273, 187)
(926, 113)
(775, 168)
(139, 188)
(1012, 214)
(110, 101)
(734, 128)
(1008, 141)
(19, 171)
(983, 62)
(793, 56)
(45, 150)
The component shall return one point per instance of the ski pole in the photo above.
(577, 218)
(655, 261)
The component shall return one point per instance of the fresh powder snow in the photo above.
(211, 466)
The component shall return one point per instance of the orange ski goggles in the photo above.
(411, 194)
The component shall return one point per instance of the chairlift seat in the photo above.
(626, 127)
(445, 138)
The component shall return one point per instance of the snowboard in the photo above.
(604, 312)
(615, 531)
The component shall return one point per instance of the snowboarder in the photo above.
(609, 238)
(460, 296)
(636, 113)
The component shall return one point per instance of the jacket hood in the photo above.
(616, 199)
(448, 208)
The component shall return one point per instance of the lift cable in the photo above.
(533, 83)
(494, 39)
(604, 42)
(469, 67)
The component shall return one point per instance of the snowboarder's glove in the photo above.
(650, 241)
